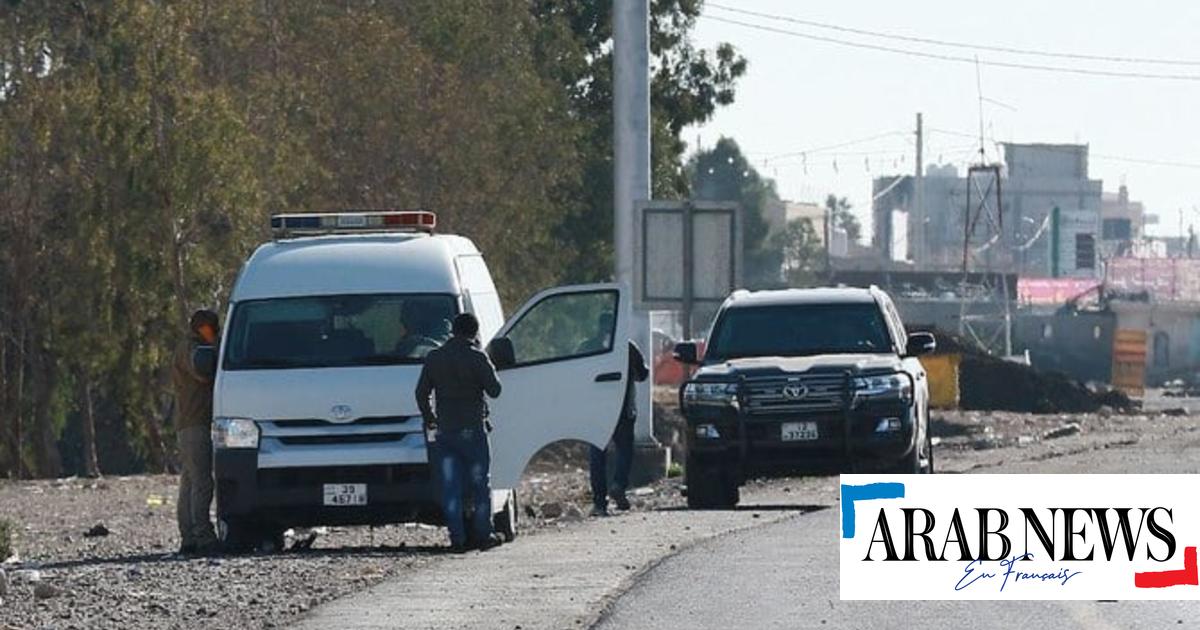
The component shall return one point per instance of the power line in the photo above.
(886, 134)
(957, 59)
(963, 45)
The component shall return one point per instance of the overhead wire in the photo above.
(957, 44)
(954, 58)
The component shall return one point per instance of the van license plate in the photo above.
(344, 494)
(797, 431)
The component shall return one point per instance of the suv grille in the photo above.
(795, 394)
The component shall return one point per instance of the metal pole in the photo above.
(689, 253)
(918, 250)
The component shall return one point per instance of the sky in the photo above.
(800, 95)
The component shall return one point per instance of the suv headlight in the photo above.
(700, 393)
(234, 433)
(884, 387)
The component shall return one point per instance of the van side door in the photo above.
(566, 380)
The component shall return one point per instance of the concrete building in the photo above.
(1025, 237)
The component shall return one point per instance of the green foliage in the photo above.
(840, 212)
(803, 256)
(6, 539)
(675, 470)
(723, 173)
(144, 144)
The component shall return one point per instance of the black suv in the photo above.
(803, 381)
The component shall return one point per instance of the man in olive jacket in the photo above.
(457, 375)
(193, 426)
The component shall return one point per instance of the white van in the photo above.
(315, 419)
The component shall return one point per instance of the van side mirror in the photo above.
(502, 353)
(204, 361)
(921, 343)
(687, 353)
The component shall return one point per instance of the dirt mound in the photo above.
(989, 383)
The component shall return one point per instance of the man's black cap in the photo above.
(465, 325)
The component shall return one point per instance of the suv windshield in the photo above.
(337, 331)
(799, 330)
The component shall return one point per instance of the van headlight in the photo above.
(885, 387)
(234, 433)
(701, 393)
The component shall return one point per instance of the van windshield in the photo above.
(337, 331)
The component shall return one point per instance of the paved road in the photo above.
(785, 575)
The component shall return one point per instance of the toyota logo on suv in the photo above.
(794, 392)
(341, 413)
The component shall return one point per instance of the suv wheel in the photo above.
(928, 468)
(710, 486)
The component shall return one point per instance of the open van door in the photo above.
(562, 362)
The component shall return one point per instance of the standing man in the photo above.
(458, 374)
(622, 441)
(193, 426)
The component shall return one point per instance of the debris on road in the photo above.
(1071, 428)
(991, 383)
(97, 531)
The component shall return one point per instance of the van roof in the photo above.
(347, 264)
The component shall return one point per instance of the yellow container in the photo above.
(942, 370)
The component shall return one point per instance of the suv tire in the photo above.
(710, 486)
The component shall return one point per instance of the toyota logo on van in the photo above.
(341, 413)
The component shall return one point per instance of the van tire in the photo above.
(505, 521)
(237, 535)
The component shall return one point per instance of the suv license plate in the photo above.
(797, 431)
(343, 494)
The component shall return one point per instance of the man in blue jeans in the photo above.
(457, 375)
(622, 441)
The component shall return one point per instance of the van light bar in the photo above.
(284, 225)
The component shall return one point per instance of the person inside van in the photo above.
(424, 328)
(458, 375)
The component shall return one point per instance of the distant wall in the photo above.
(1172, 336)
(1076, 344)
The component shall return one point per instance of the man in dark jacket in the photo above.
(622, 441)
(457, 375)
(193, 426)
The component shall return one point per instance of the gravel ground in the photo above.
(130, 578)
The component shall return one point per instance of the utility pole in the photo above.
(631, 125)
(918, 248)
(631, 184)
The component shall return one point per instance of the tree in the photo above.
(687, 86)
(723, 173)
(801, 251)
(841, 215)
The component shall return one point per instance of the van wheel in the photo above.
(710, 486)
(237, 535)
(505, 521)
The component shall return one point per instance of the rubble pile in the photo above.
(990, 383)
